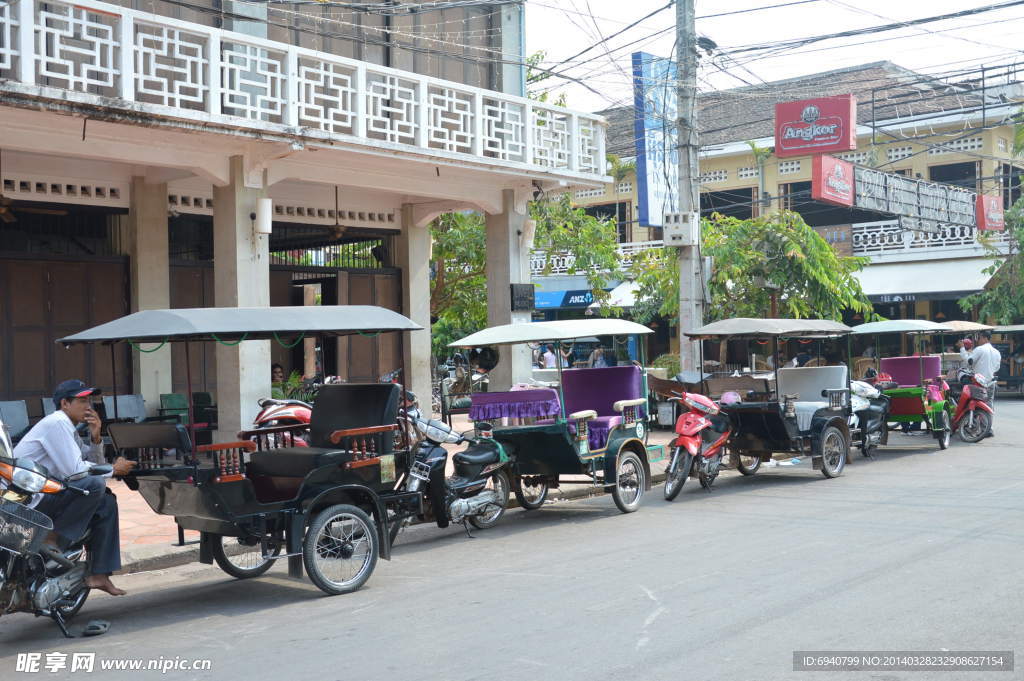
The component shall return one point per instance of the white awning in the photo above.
(623, 295)
(924, 280)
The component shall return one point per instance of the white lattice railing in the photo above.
(562, 263)
(884, 238)
(124, 58)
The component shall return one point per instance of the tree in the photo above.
(458, 287)
(1002, 301)
(753, 260)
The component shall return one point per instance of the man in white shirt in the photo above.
(986, 359)
(54, 443)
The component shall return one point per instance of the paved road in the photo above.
(917, 549)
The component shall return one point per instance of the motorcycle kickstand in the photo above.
(59, 619)
(465, 526)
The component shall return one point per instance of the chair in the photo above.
(337, 407)
(808, 384)
(48, 406)
(174, 404)
(861, 366)
(911, 372)
(203, 408)
(14, 415)
(599, 390)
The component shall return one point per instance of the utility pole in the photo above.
(691, 285)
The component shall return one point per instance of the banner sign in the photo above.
(814, 126)
(832, 180)
(990, 213)
(923, 206)
(657, 156)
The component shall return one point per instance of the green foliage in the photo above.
(1002, 301)
(668, 361)
(458, 288)
(535, 74)
(293, 388)
(752, 259)
(619, 169)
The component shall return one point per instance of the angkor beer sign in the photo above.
(814, 126)
(832, 180)
(990, 213)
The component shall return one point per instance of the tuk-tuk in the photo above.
(807, 412)
(594, 423)
(1011, 346)
(325, 506)
(915, 385)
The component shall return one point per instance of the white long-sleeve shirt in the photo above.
(986, 359)
(54, 443)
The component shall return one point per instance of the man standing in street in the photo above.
(985, 359)
(54, 443)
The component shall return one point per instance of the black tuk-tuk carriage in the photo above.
(324, 506)
(808, 411)
(593, 424)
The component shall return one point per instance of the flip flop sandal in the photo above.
(95, 628)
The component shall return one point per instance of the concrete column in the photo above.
(342, 341)
(509, 240)
(413, 258)
(151, 283)
(309, 344)
(241, 279)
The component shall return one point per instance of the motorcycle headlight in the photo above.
(29, 481)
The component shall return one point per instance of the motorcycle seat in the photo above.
(294, 462)
(477, 455)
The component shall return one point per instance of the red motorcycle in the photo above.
(702, 431)
(283, 413)
(973, 416)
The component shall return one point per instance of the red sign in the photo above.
(989, 211)
(815, 126)
(832, 180)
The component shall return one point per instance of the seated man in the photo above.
(54, 443)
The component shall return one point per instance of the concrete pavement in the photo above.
(915, 550)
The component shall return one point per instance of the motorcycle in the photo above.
(869, 415)
(275, 412)
(478, 491)
(973, 416)
(702, 431)
(35, 577)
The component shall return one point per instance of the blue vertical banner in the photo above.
(656, 135)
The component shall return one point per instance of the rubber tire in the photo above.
(309, 548)
(978, 413)
(641, 482)
(225, 564)
(672, 491)
(525, 503)
(946, 433)
(748, 470)
(825, 470)
(479, 524)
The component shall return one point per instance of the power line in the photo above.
(756, 9)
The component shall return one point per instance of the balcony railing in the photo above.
(102, 54)
(562, 263)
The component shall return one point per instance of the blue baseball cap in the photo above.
(71, 389)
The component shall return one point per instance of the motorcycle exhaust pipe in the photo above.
(460, 508)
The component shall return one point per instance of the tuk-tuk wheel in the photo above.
(531, 491)
(748, 464)
(943, 433)
(340, 549)
(834, 451)
(245, 563)
(629, 482)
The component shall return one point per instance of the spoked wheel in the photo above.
(974, 429)
(498, 483)
(678, 470)
(340, 549)
(247, 562)
(943, 432)
(834, 450)
(748, 464)
(531, 491)
(629, 482)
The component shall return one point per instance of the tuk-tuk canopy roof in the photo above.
(536, 332)
(962, 326)
(244, 323)
(759, 328)
(902, 326)
(1013, 328)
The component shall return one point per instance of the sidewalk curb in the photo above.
(147, 558)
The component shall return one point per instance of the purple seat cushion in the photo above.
(907, 371)
(599, 389)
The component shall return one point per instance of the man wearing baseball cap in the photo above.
(54, 443)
